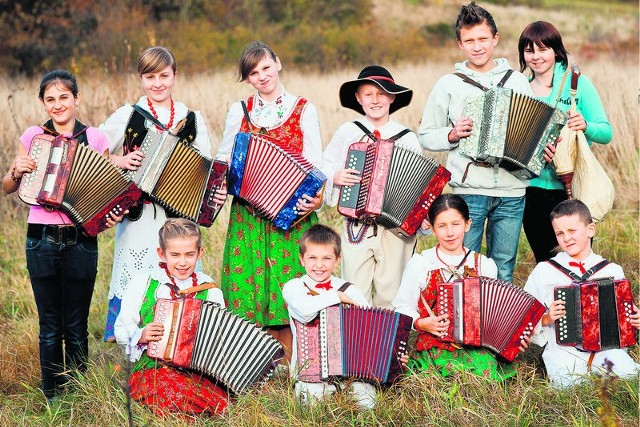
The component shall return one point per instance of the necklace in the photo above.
(450, 268)
(174, 295)
(155, 115)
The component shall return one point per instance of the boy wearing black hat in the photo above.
(376, 262)
(494, 196)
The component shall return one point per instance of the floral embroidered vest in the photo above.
(288, 134)
(426, 340)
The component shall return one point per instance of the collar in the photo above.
(282, 95)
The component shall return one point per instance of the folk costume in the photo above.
(305, 298)
(62, 262)
(137, 234)
(419, 287)
(162, 387)
(567, 365)
(258, 257)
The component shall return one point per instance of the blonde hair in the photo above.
(155, 59)
(175, 228)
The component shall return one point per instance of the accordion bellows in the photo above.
(397, 187)
(179, 178)
(349, 341)
(511, 129)
(488, 313)
(204, 337)
(78, 180)
(271, 179)
(597, 315)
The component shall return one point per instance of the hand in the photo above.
(556, 311)
(308, 203)
(346, 177)
(131, 161)
(404, 360)
(524, 343)
(22, 165)
(344, 298)
(550, 150)
(437, 325)
(152, 332)
(113, 219)
(576, 121)
(635, 317)
(462, 129)
(220, 195)
(426, 225)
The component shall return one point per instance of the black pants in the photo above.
(537, 225)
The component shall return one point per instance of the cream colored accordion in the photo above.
(511, 130)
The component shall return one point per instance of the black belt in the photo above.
(58, 234)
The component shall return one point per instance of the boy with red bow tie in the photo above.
(316, 290)
(566, 366)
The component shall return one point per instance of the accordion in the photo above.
(488, 313)
(271, 179)
(78, 180)
(397, 185)
(204, 337)
(179, 178)
(512, 130)
(597, 315)
(349, 341)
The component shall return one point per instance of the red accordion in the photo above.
(397, 185)
(488, 313)
(204, 337)
(597, 315)
(78, 180)
(348, 341)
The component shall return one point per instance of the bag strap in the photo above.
(472, 82)
(505, 78)
(590, 272)
(564, 79)
(148, 116)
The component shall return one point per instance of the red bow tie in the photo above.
(580, 265)
(376, 133)
(325, 285)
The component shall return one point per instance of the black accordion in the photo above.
(597, 315)
(511, 130)
(204, 337)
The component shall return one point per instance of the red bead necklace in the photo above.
(171, 114)
(174, 295)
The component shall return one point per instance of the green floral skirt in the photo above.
(476, 360)
(259, 259)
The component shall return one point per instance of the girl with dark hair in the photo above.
(448, 260)
(258, 257)
(61, 259)
(137, 234)
(541, 51)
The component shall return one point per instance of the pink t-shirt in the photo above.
(37, 214)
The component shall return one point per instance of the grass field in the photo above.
(98, 398)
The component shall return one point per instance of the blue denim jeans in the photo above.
(503, 218)
(62, 277)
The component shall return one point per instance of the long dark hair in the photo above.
(542, 33)
(448, 201)
(63, 77)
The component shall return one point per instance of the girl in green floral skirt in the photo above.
(258, 257)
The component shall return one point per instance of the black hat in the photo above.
(380, 76)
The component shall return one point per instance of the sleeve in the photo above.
(410, 141)
(310, 124)
(114, 128)
(302, 306)
(520, 83)
(599, 128)
(356, 294)
(333, 160)
(232, 125)
(202, 142)
(98, 140)
(28, 135)
(435, 126)
(488, 267)
(413, 280)
(215, 295)
(127, 327)
(535, 286)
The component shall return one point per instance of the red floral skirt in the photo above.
(169, 390)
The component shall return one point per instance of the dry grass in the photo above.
(98, 399)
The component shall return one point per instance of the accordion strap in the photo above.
(252, 128)
(472, 82)
(144, 113)
(590, 272)
(370, 134)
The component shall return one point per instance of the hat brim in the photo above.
(348, 91)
